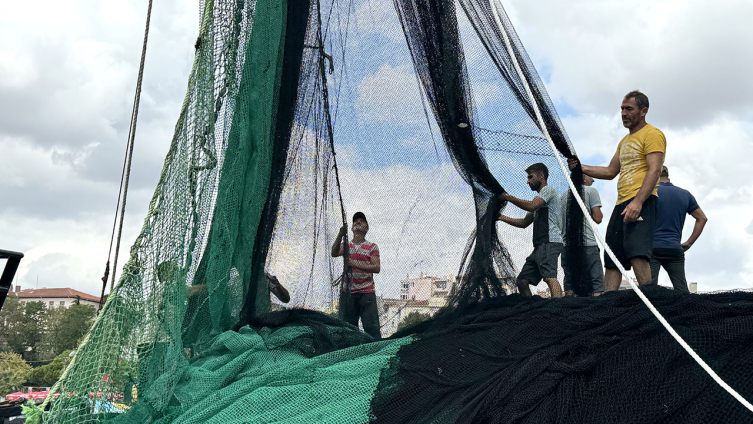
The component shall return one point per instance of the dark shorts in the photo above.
(542, 263)
(594, 271)
(634, 239)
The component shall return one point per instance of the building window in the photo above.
(62, 304)
(23, 303)
(52, 304)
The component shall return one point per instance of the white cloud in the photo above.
(690, 57)
(391, 95)
(66, 87)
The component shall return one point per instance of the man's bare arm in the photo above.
(337, 246)
(700, 222)
(596, 214)
(633, 210)
(516, 222)
(526, 205)
(600, 172)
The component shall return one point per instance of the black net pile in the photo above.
(575, 360)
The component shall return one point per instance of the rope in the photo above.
(131, 138)
(495, 5)
(330, 133)
(124, 185)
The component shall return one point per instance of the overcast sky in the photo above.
(68, 73)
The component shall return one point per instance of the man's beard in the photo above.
(535, 186)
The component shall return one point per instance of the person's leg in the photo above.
(639, 241)
(612, 279)
(674, 264)
(524, 287)
(566, 267)
(349, 308)
(595, 271)
(655, 266)
(615, 242)
(546, 258)
(528, 274)
(554, 287)
(642, 270)
(370, 315)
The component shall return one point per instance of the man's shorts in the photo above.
(634, 239)
(542, 263)
(594, 270)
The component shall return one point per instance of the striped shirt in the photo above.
(363, 282)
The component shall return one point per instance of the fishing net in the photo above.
(420, 114)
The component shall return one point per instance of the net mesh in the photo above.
(297, 114)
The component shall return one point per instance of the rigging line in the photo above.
(495, 9)
(132, 131)
(330, 133)
(132, 136)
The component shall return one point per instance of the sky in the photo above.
(68, 73)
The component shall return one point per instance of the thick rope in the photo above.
(131, 136)
(347, 272)
(495, 5)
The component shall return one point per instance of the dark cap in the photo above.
(664, 172)
(359, 215)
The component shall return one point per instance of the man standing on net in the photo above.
(594, 272)
(357, 296)
(638, 162)
(674, 204)
(544, 213)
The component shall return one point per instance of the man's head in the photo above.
(588, 180)
(360, 225)
(664, 174)
(538, 173)
(634, 109)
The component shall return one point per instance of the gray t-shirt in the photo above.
(591, 199)
(547, 220)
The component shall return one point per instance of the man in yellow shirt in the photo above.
(638, 162)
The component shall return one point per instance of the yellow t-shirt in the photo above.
(632, 152)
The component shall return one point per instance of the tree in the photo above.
(412, 319)
(47, 375)
(22, 327)
(66, 327)
(13, 372)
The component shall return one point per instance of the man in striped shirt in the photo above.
(357, 297)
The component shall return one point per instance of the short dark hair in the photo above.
(539, 168)
(640, 98)
(664, 172)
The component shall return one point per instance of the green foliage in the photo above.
(68, 326)
(22, 327)
(13, 372)
(32, 413)
(47, 375)
(412, 319)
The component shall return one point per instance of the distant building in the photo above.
(428, 288)
(424, 294)
(55, 298)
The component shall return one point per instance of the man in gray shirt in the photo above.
(594, 270)
(544, 214)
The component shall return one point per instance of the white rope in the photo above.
(495, 4)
